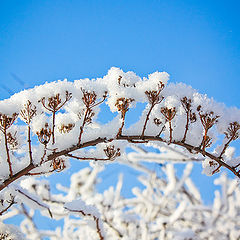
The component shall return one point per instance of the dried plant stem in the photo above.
(186, 128)
(53, 127)
(30, 145)
(160, 132)
(170, 131)
(7, 152)
(10, 204)
(146, 138)
(39, 173)
(122, 125)
(16, 176)
(96, 219)
(44, 154)
(113, 228)
(83, 124)
(54, 155)
(204, 140)
(34, 200)
(87, 158)
(225, 146)
(147, 119)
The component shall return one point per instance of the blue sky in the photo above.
(196, 42)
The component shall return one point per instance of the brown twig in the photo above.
(27, 113)
(122, 105)
(11, 202)
(169, 114)
(153, 99)
(89, 100)
(5, 123)
(191, 117)
(34, 200)
(16, 176)
(232, 134)
(109, 151)
(129, 138)
(96, 219)
(55, 104)
(207, 119)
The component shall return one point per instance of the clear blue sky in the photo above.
(196, 42)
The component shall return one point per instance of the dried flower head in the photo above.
(168, 113)
(12, 140)
(111, 152)
(58, 164)
(44, 134)
(66, 128)
(232, 131)
(28, 112)
(7, 121)
(123, 104)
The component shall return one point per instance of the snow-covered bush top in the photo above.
(42, 128)
(64, 117)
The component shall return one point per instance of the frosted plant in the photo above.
(166, 207)
(42, 128)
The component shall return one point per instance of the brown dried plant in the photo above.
(169, 114)
(44, 135)
(154, 98)
(232, 133)
(111, 152)
(208, 119)
(58, 164)
(27, 113)
(191, 116)
(122, 105)
(158, 122)
(12, 140)
(5, 123)
(10, 202)
(89, 100)
(66, 128)
(53, 105)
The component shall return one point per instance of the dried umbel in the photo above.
(58, 164)
(154, 98)
(208, 119)
(157, 121)
(111, 152)
(154, 95)
(169, 114)
(233, 131)
(7, 121)
(44, 135)
(12, 140)
(123, 104)
(54, 103)
(66, 128)
(28, 112)
(89, 98)
(187, 105)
